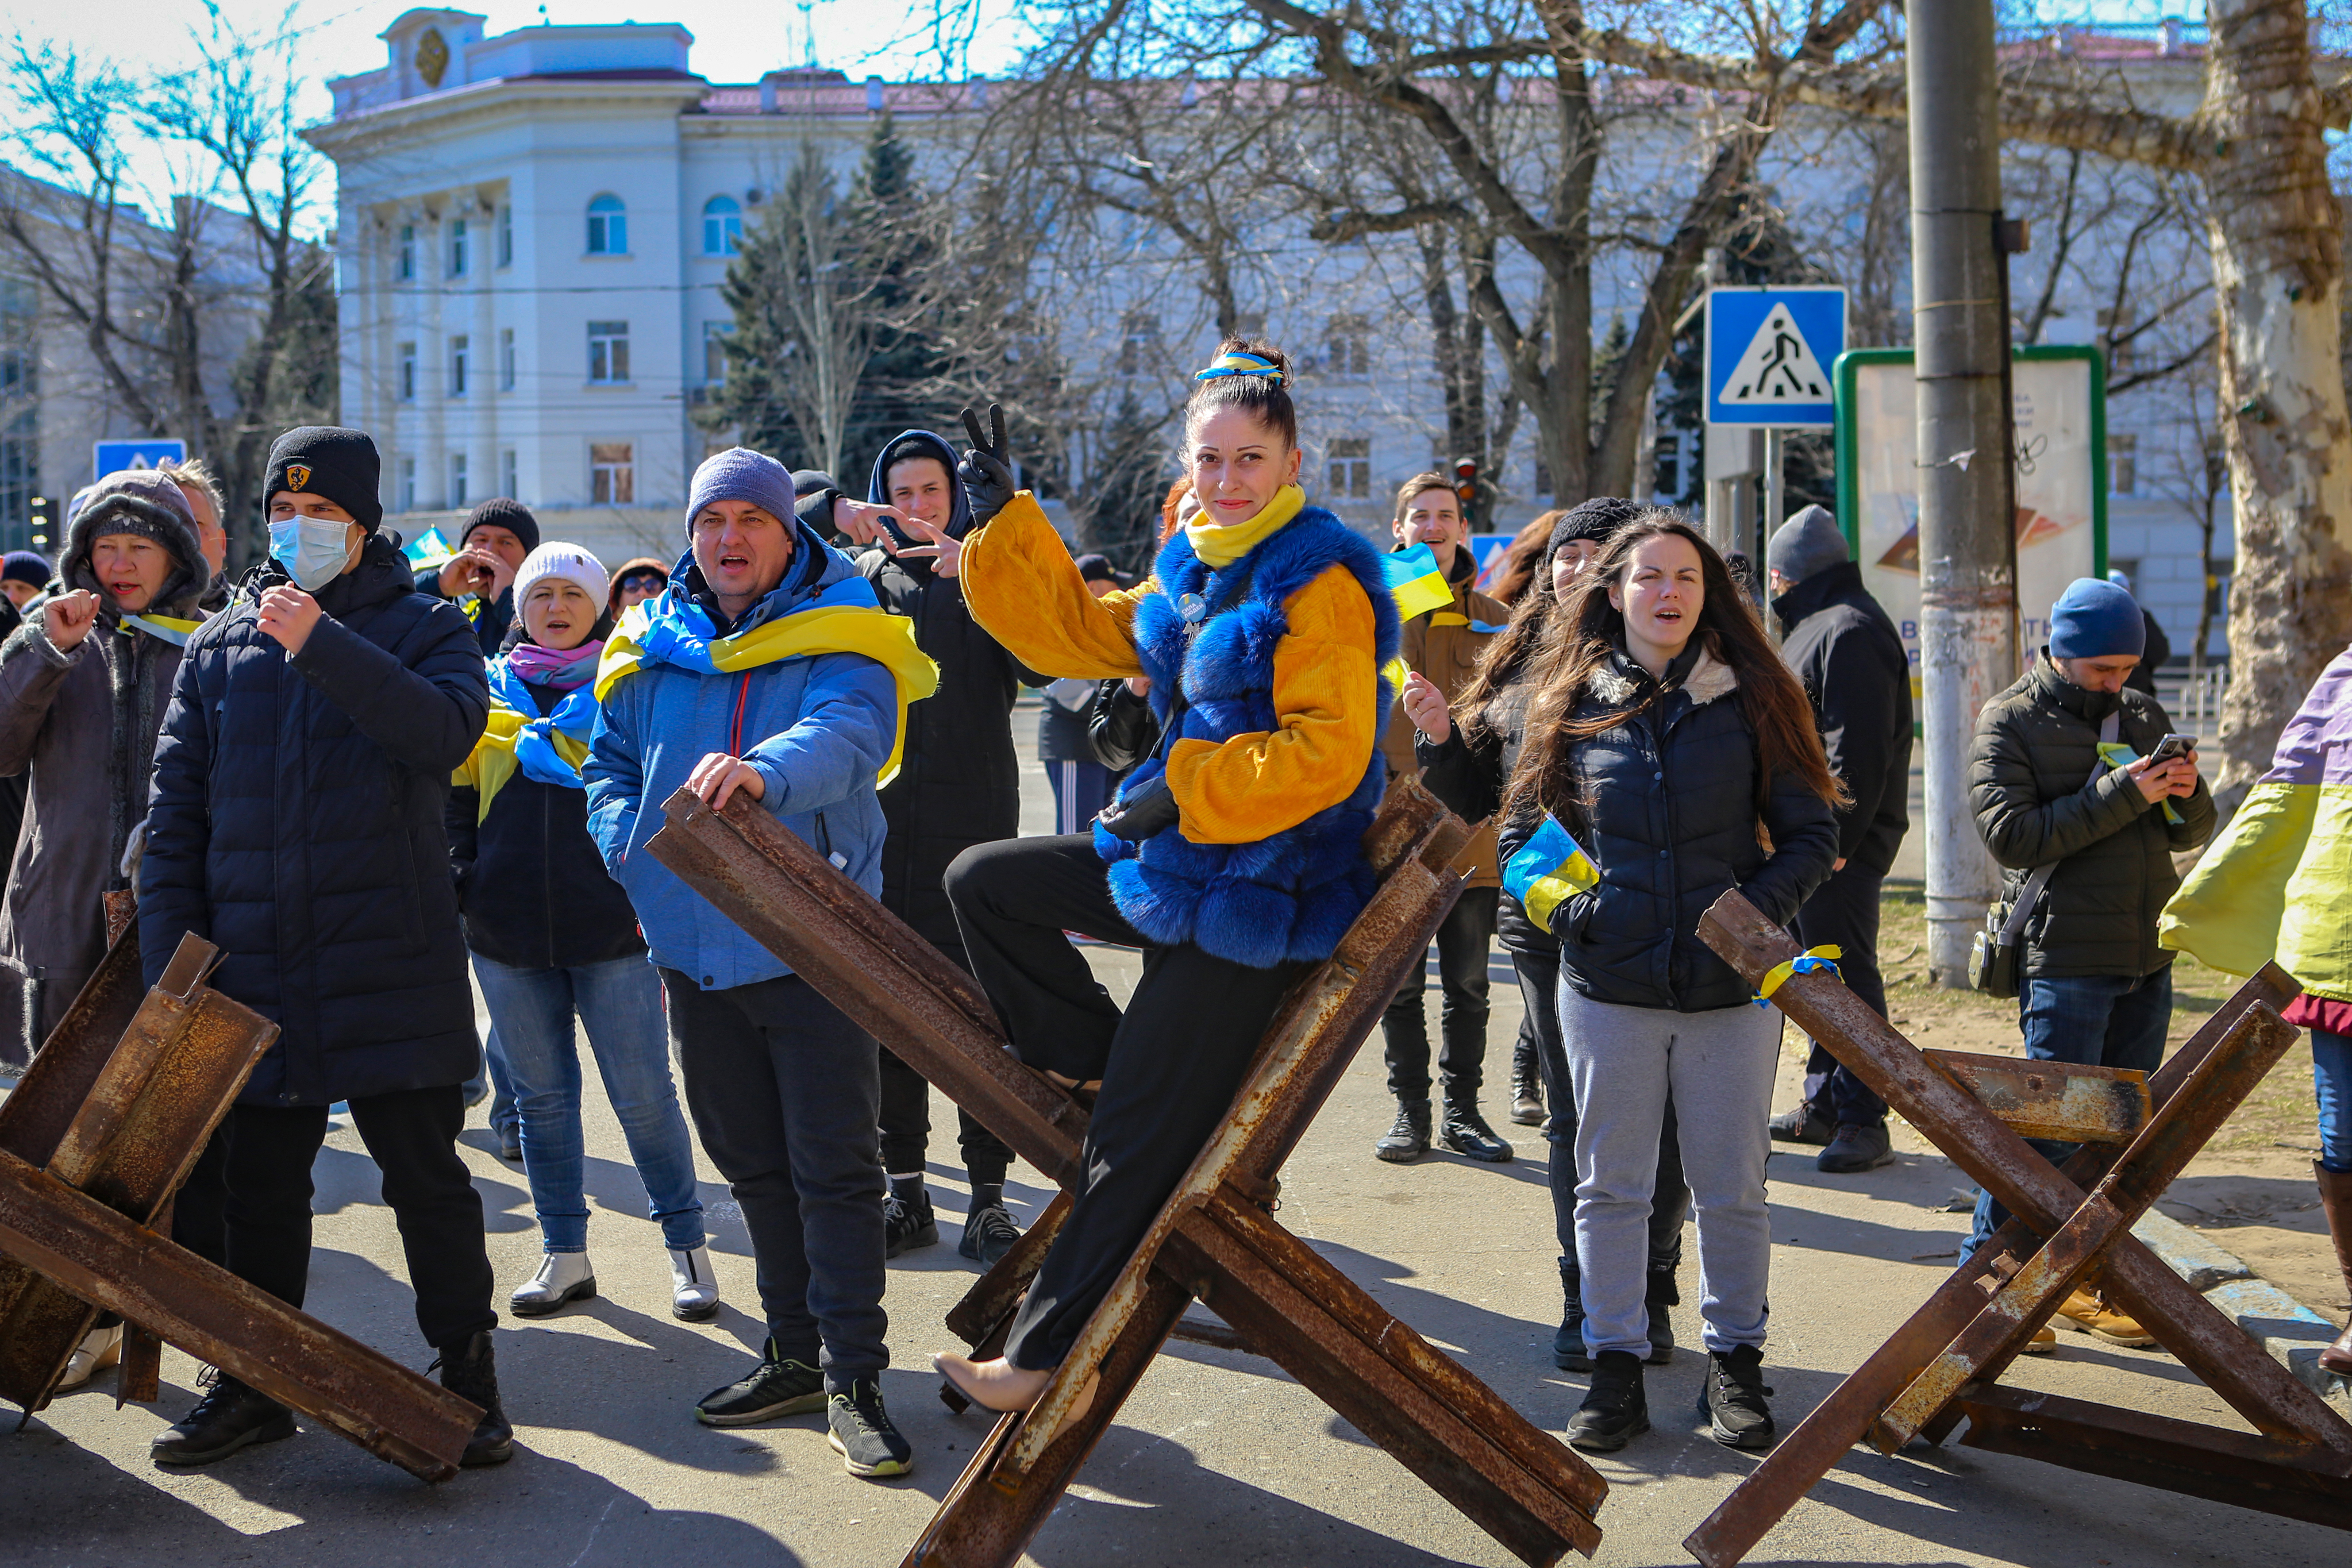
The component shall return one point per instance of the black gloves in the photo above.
(1143, 813)
(988, 482)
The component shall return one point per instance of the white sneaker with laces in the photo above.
(562, 1278)
(100, 1349)
(694, 1289)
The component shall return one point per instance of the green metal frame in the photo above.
(1849, 468)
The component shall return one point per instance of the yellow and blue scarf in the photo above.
(548, 748)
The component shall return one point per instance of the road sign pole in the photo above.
(1968, 536)
(1776, 491)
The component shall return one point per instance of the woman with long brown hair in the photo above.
(1669, 740)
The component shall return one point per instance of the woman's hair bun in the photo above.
(1249, 374)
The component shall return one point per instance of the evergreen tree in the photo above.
(1120, 504)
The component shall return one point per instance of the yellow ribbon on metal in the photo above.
(1809, 962)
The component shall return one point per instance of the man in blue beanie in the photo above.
(731, 687)
(2084, 824)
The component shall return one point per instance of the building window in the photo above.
(1139, 337)
(407, 373)
(507, 486)
(714, 351)
(460, 351)
(608, 351)
(608, 226)
(722, 227)
(459, 258)
(2123, 465)
(506, 236)
(407, 267)
(457, 494)
(1351, 347)
(506, 359)
(1351, 467)
(408, 484)
(612, 473)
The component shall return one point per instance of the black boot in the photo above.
(1568, 1345)
(470, 1371)
(1660, 1294)
(231, 1416)
(1408, 1139)
(1466, 1134)
(1615, 1410)
(1732, 1396)
(1526, 1086)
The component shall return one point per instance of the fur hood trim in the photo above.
(1708, 679)
(147, 505)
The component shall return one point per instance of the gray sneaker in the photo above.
(1857, 1148)
(860, 1431)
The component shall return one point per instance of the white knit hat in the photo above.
(568, 562)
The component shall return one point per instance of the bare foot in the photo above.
(1000, 1386)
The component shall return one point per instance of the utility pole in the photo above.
(1968, 536)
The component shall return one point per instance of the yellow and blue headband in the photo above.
(1240, 365)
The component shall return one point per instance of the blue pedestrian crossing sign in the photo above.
(1769, 352)
(113, 457)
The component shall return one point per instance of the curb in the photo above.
(2292, 1333)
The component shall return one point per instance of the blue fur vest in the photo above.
(1289, 897)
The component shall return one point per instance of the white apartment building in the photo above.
(532, 228)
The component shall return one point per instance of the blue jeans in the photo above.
(620, 1003)
(2093, 1020)
(2331, 1073)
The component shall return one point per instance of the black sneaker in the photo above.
(1568, 1351)
(779, 1385)
(231, 1416)
(989, 1234)
(470, 1371)
(1615, 1410)
(906, 1225)
(1408, 1139)
(1803, 1125)
(1466, 1134)
(860, 1431)
(1732, 1394)
(1855, 1148)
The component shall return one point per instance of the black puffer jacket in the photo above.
(531, 880)
(1470, 778)
(2030, 786)
(491, 619)
(1670, 819)
(958, 779)
(297, 822)
(1848, 654)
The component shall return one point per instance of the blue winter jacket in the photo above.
(818, 730)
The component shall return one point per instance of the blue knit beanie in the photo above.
(741, 474)
(2094, 619)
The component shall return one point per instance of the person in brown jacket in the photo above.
(83, 686)
(1442, 647)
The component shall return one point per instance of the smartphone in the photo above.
(2173, 746)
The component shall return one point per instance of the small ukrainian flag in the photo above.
(1415, 581)
(430, 550)
(1550, 868)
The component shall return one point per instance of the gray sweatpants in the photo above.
(1623, 1061)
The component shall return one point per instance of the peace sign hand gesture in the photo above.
(986, 473)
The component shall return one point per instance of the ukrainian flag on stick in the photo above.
(1550, 868)
(1417, 585)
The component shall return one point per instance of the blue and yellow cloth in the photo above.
(548, 748)
(172, 629)
(1550, 868)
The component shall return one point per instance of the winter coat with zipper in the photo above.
(531, 884)
(1671, 812)
(2032, 785)
(83, 725)
(297, 822)
(1470, 777)
(1846, 651)
(817, 730)
(1443, 645)
(958, 779)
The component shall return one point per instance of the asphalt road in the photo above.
(1219, 1460)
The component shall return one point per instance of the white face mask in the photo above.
(311, 550)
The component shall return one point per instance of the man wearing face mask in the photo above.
(296, 822)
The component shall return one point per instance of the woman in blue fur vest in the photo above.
(1234, 854)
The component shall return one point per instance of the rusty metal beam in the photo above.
(2237, 1467)
(103, 1258)
(2057, 1101)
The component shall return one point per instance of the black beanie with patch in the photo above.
(500, 512)
(332, 461)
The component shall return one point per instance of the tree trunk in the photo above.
(2278, 271)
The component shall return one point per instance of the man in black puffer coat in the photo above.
(959, 785)
(296, 822)
(1845, 649)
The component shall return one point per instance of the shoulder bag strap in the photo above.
(2039, 878)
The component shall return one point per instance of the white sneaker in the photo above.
(694, 1289)
(100, 1349)
(562, 1278)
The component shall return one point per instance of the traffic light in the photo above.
(1474, 494)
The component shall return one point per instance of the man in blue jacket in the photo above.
(296, 822)
(767, 666)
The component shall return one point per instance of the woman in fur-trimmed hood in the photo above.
(83, 686)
